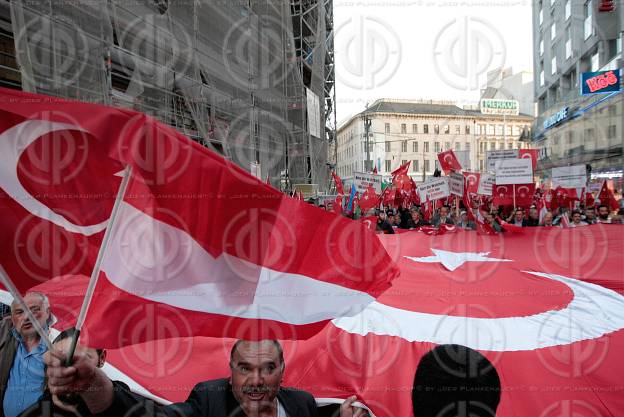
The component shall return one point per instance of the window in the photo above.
(553, 31)
(568, 9)
(404, 146)
(403, 162)
(499, 130)
(467, 146)
(426, 129)
(492, 146)
(370, 146)
(568, 44)
(403, 128)
(612, 110)
(436, 147)
(414, 128)
(415, 165)
(447, 145)
(595, 62)
(588, 26)
(426, 146)
(490, 129)
(508, 130)
(541, 78)
(481, 147)
(447, 129)
(570, 135)
(501, 145)
(541, 17)
(414, 146)
(388, 147)
(553, 65)
(467, 129)
(457, 129)
(436, 129)
(510, 146)
(388, 165)
(457, 146)
(611, 132)
(541, 47)
(387, 127)
(481, 165)
(427, 165)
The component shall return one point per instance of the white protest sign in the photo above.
(514, 171)
(574, 176)
(493, 156)
(486, 183)
(433, 189)
(362, 181)
(456, 184)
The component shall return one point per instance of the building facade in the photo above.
(253, 81)
(503, 83)
(571, 38)
(408, 130)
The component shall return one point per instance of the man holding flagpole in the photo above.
(253, 388)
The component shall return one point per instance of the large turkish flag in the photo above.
(546, 308)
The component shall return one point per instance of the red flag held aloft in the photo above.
(449, 162)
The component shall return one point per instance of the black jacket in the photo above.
(208, 399)
(8, 349)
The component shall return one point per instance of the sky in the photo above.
(432, 50)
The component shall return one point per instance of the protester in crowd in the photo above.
(442, 217)
(577, 221)
(253, 388)
(50, 405)
(547, 221)
(603, 214)
(455, 380)
(517, 218)
(22, 369)
(397, 220)
(590, 216)
(416, 220)
(464, 223)
(383, 225)
(491, 220)
(533, 219)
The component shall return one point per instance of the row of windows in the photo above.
(483, 146)
(436, 129)
(588, 135)
(491, 129)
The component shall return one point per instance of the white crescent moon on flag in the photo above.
(25, 134)
(471, 179)
(448, 158)
(524, 187)
(501, 188)
(526, 155)
(594, 309)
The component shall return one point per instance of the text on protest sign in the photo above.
(493, 156)
(514, 171)
(433, 189)
(574, 176)
(362, 181)
(456, 184)
(486, 184)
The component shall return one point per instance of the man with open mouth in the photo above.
(252, 390)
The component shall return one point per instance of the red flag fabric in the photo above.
(402, 170)
(524, 195)
(607, 197)
(532, 154)
(369, 199)
(375, 170)
(370, 222)
(196, 236)
(471, 182)
(502, 195)
(338, 182)
(448, 161)
(545, 308)
(389, 197)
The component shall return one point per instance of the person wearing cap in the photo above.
(22, 368)
(465, 223)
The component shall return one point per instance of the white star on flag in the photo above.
(453, 260)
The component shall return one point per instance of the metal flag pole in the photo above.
(98, 263)
(6, 281)
(514, 196)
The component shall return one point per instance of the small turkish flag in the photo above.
(607, 198)
(448, 161)
(369, 199)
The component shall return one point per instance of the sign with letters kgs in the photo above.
(574, 176)
(433, 189)
(456, 184)
(600, 82)
(514, 171)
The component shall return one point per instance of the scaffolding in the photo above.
(234, 76)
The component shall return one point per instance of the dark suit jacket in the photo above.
(208, 399)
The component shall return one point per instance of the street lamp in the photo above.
(367, 125)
